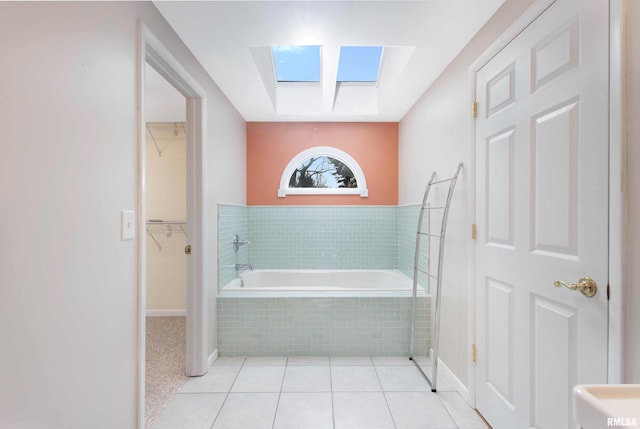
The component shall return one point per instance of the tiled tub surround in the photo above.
(317, 237)
(406, 230)
(296, 326)
(232, 220)
(326, 323)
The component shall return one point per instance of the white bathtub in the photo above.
(322, 283)
(321, 313)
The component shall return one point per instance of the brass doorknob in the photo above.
(585, 285)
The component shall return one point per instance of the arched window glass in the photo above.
(322, 170)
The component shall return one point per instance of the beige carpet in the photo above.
(165, 361)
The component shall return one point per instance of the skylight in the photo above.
(297, 63)
(359, 63)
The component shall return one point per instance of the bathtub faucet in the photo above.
(237, 243)
(244, 267)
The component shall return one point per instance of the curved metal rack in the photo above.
(427, 207)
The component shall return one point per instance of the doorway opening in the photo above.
(189, 223)
(166, 238)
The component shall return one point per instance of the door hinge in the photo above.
(474, 356)
(474, 231)
(474, 109)
(187, 249)
(608, 291)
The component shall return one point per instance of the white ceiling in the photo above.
(231, 39)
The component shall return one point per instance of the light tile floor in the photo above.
(316, 393)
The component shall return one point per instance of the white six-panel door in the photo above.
(541, 211)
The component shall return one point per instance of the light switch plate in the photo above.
(127, 225)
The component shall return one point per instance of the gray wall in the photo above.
(69, 294)
(632, 273)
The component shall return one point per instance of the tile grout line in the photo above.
(228, 392)
(447, 409)
(275, 414)
(384, 395)
(474, 410)
(333, 412)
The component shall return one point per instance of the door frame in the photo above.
(151, 51)
(617, 184)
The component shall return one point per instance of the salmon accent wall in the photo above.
(271, 145)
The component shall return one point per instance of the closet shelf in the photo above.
(166, 222)
(168, 231)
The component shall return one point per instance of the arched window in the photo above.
(322, 170)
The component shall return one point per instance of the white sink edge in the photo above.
(591, 411)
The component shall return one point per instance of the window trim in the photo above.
(331, 152)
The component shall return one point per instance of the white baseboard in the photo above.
(213, 357)
(443, 369)
(166, 313)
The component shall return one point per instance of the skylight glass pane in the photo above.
(359, 63)
(297, 63)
